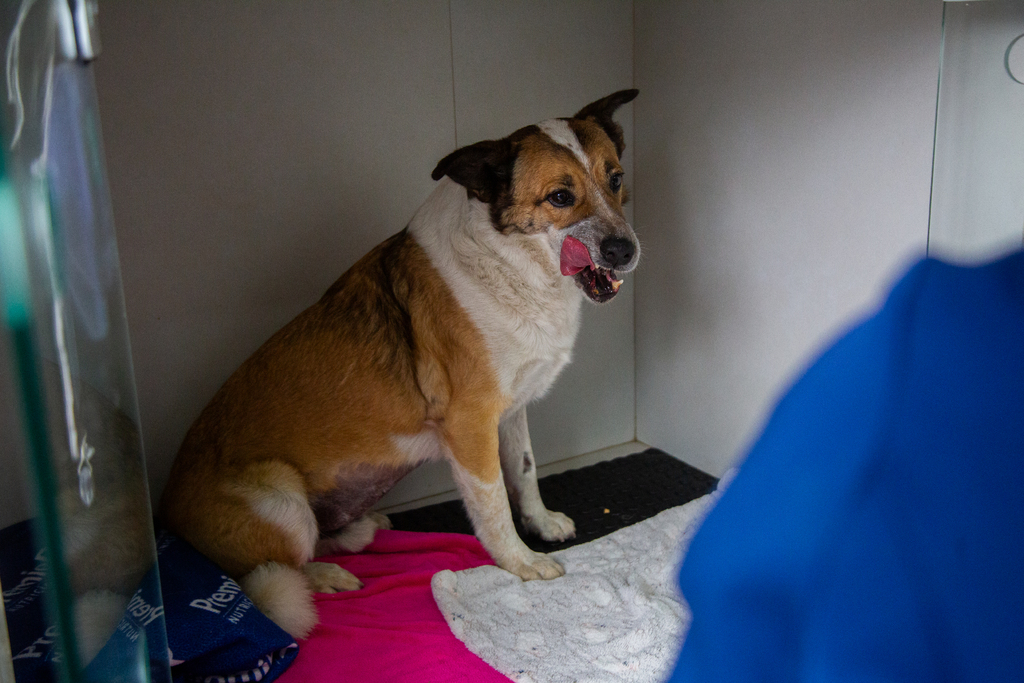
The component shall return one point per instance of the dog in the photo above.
(429, 347)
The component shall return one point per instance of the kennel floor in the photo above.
(600, 498)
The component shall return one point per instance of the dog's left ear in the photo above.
(484, 168)
(601, 112)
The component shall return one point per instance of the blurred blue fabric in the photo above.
(875, 531)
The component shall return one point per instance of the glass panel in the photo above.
(977, 206)
(64, 311)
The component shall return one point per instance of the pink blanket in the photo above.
(391, 630)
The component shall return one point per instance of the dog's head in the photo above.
(561, 178)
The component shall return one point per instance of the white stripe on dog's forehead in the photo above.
(559, 131)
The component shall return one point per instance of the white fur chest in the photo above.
(531, 350)
(528, 313)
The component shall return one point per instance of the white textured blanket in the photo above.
(615, 616)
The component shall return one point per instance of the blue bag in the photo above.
(214, 632)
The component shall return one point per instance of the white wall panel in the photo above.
(256, 150)
(783, 166)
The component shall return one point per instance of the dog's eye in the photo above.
(561, 199)
(615, 182)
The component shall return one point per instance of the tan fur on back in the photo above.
(387, 350)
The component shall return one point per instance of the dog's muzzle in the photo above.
(599, 283)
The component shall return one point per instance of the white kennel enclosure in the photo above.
(786, 161)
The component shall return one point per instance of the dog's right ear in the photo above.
(484, 169)
(601, 113)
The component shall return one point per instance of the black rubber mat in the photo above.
(600, 498)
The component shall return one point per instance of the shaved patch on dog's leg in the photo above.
(488, 508)
(520, 474)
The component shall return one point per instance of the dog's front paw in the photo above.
(551, 526)
(327, 577)
(536, 566)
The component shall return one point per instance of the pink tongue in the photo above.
(575, 256)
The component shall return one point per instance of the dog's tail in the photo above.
(284, 595)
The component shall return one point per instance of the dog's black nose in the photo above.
(617, 251)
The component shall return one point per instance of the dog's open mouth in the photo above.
(600, 284)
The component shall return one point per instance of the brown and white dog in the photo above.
(429, 347)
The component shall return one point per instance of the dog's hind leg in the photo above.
(282, 586)
(520, 472)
